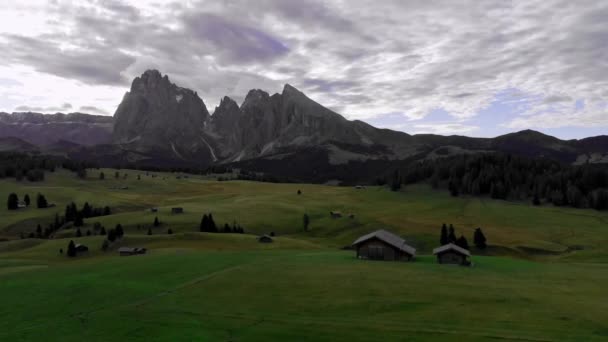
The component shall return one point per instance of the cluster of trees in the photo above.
(208, 225)
(29, 166)
(13, 201)
(72, 214)
(504, 176)
(448, 235)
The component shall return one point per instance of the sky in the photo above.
(466, 67)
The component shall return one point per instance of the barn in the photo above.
(383, 245)
(177, 210)
(452, 254)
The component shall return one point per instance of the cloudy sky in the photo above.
(478, 68)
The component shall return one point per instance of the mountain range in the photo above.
(160, 124)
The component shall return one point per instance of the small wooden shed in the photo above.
(265, 239)
(128, 251)
(177, 210)
(452, 254)
(383, 245)
(335, 214)
(81, 248)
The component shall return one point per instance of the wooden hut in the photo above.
(265, 239)
(383, 245)
(177, 210)
(452, 254)
(335, 214)
(81, 248)
(128, 251)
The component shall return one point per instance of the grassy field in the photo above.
(544, 277)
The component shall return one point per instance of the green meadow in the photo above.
(543, 278)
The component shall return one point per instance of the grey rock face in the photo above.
(156, 116)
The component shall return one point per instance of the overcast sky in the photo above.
(478, 68)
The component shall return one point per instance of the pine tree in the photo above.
(78, 220)
(26, 199)
(479, 239)
(78, 233)
(306, 221)
(39, 231)
(204, 227)
(149, 231)
(119, 231)
(105, 245)
(102, 176)
(156, 222)
(443, 240)
(86, 210)
(451, 235)
(227, 228)
(212, 226)
(88, 232)
(106, 211)
(536, 200)
(396, 181)
(71, 249)
(169, 231)
(117, 175)
(112, 235)
(41, 201)
(462, 242)
(102, 231)
(13, 202)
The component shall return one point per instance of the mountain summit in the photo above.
(160, 118)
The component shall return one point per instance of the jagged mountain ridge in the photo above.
(44, 130)
(163, 125)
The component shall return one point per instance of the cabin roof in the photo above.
(128, 249)
(388, 238)
(451, 247)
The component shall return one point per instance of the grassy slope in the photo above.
(196, 286)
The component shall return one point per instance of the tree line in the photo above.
(208, 225)
(448, 235)
(508, 177)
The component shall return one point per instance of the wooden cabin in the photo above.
(81, 249)
(452, 255)
(128, 251)
(383, 245)
(177, 210)
(335, 214)
(265, 239)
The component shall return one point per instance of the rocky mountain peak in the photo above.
(255, 96)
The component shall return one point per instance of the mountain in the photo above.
(158, 117)
(159, 124)
(46, 129)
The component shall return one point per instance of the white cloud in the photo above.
(360, 57)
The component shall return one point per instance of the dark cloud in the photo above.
(92, 110)
(237, 42)
(53, 109)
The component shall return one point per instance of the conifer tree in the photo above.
(119, 231)
(71, 249)
(26, 200)
(78, 233)
(479, 239)
(13, 202)
(306, 222)
(451, 235)
(443, 240)
(462, 242)
(41, 201)
(156, 222)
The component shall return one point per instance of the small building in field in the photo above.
(335, 214)
(383, 245)
(81, 248)
(153, 210)
(265, 239)
(177, 210)
(452, 254)
(128, 251)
